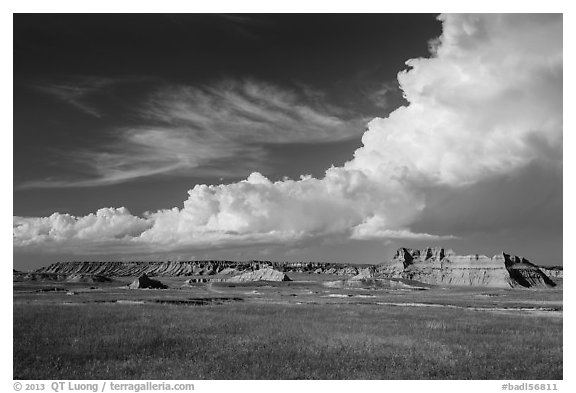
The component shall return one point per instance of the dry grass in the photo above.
(281, 341)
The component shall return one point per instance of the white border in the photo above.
(231, 6)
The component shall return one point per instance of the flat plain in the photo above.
(300, 329)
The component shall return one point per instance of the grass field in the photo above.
(285, 331)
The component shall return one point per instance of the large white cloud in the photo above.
(107, 224)
(487, 102)
(483, 104)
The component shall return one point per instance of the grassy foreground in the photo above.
(287, 341)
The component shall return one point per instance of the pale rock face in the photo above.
(260, 275)
(443, 267)
(228, 272)
(363, 274)
(553, 272)
(348, 271)
(193, 281)
(369, 277)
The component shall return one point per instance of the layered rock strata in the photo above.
(443, 267)
(194, 268)
(435, 266)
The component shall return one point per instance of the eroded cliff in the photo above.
(443, 267)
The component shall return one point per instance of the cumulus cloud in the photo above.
(492, 87)
(487, 102)
(106, 225)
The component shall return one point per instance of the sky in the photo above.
(334, 138)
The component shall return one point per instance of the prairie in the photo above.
(292, 330)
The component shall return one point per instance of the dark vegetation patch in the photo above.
(177, 302)
(52, 289)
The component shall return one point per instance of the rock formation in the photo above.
(144, 282)
(369, 278)
(91, 278)
(192, 281)
(226, 274)
(39, 276)
(260, 275)
(443, 267)
(436, 266)
(193, 268)
(554, 272)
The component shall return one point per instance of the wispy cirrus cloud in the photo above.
(76, 91)
(219, 129)
(254, 112)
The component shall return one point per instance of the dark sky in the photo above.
(135, 110)
(79, 78)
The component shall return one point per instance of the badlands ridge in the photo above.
(408, 267)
